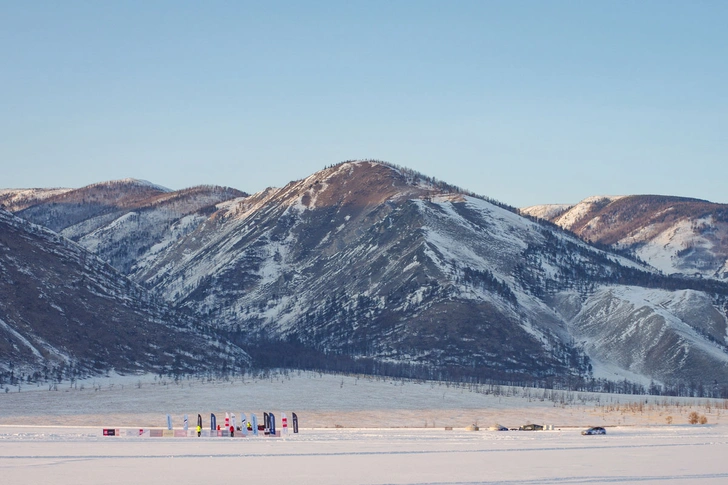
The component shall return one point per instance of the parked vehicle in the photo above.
(594, 430)
(531, 427)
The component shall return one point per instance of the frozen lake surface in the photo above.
(665, 454)
(390, 432)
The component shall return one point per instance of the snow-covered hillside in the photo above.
(373, 262)
(14, 200)
(122, 220)
(674, 235)
(650, 332)
(64, 312)
(371, 267)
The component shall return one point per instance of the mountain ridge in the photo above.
(63, 308)
(365, 263)
(255, 283)
(674, 234)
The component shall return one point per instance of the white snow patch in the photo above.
(580, 210)
(22, 339)
(546, 211)
(658, 302)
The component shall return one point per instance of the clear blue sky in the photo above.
(524, 101)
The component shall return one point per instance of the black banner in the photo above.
(294, 418)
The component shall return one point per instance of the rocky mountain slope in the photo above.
(387, 270)
(121, 221)
(14, 200)
(368, 260)
(673, 234)
(360, 260)
(65, 312)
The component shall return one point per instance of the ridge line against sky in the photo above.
(526, 102)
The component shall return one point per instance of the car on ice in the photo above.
(594, 430)
(531, 427)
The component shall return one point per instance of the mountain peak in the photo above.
(353, 183)
(365, 182)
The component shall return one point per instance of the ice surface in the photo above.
(56, 436)
(675, 455)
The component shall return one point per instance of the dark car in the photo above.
(594, 430)
(531, 427)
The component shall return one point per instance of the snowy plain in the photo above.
(357, 430)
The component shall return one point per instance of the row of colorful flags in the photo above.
(267, 427)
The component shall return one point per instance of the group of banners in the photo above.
(230, 428)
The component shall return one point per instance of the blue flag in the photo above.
(272, 418)
(213, 422)
(254, 423)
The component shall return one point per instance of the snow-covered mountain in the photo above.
(368, 266)
(673, 234)
(14, 200)
(122, 221)
(63, 310)
(368, 260)
(632, 331)
(365, 260)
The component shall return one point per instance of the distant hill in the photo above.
(122, 221)
(673, 234)
(15, 200)
(65, 312)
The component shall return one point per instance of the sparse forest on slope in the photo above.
(126, 221)
(64, 313)
(673, 234)
(14, 200)
(366, 266)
